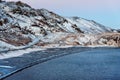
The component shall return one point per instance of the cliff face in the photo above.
(23, 26)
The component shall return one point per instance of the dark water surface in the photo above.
(82, 64)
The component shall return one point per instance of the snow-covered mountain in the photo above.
(89, 26)
(23, 26)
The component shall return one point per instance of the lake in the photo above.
(73, 64)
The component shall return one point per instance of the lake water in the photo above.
(81, 64)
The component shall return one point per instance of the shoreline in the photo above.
(19, 52)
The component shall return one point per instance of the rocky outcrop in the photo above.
(111, 39)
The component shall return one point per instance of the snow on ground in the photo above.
(4, 45)
(2, 66)
(18, 53)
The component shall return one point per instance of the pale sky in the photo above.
(106, 12)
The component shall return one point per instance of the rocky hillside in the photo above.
(23, 26)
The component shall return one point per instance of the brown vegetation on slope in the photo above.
(110, 39)
(14, 39)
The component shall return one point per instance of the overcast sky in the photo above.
(106, 12)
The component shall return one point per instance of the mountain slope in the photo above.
(23, 26)
(89, 26)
